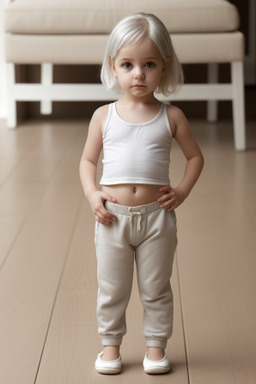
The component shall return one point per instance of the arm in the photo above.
(182, 134)
(88, 168)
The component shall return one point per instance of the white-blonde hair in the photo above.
(131, 30)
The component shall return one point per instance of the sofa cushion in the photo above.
(190, 48)
(100, 16)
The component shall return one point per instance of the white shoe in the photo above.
(156, 367)
(112, 367)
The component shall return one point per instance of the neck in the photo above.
(148, 99)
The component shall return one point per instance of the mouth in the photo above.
(139, 86)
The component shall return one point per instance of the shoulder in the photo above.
(175, 114)
(176, 118)
(99, 118)
(101, 113)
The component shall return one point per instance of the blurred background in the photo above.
(83, 74)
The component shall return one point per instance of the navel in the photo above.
(134, 189)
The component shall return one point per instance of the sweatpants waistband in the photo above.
(126, 210)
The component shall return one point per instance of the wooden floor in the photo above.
(48, 329)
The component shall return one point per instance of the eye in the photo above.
(127, 65)
(150, 65)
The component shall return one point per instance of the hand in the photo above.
(172, 199)
(96, 200)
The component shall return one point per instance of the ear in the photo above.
(165, 65)
(112, 65)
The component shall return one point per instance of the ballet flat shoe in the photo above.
(112, 367)
(152, 367)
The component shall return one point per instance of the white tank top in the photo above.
(136, 153)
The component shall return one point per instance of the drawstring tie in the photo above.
(133, 215)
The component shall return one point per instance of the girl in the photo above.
(134, 210)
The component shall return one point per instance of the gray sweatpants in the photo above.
(146, 234)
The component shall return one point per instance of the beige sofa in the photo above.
(52, 32)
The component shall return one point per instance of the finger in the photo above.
(168, 203)
(172, 207)
(109, 198)
(102, 221)
(105, 215)
(165, 188)
(164, 197)
(102, 218)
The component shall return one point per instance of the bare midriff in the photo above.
(133, 194)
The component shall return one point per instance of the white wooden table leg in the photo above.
(237, 77)
(212, 105)
(46, 79)
(11, 102)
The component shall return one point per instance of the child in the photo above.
(134, 210)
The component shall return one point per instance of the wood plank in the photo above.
(20, 198)
(42, 161)
(217, 269)
(30, 276)
(28, 285)
(73, 343)
(9, 229)
(218, 291)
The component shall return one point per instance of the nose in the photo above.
(139, 74)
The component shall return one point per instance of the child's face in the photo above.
(139, 68)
